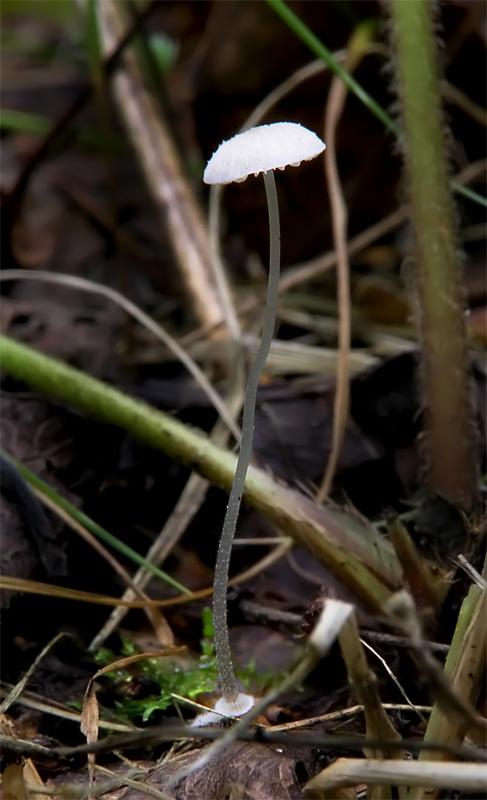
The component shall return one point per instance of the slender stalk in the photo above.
(226, 671)
(339, 218)
(451, 446)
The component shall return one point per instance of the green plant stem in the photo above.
(451, 450)
(318, 48)
(226, 671)
(357, 556)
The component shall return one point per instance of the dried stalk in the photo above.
(160, 163)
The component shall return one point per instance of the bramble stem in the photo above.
(226, 671)
(445, 374)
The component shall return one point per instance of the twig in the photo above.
(85, 285)
(339, 218)
(396, 680)
(19, 687)
(337, 716)
(352, 772)
(160, 163)
(169, 733)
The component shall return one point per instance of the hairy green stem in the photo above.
(354, 552)
(226, 671)
(451, 450)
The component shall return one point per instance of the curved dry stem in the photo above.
(339, 215)
(226, 672)
(338, 92)
(85, 285)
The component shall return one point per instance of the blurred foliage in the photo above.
(57, 10)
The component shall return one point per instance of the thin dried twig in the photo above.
(396, 680)
(317, 267)
(339, 219)
(85, 285)
(336, 716)
(48, 590)
(170, 733)
(55, 709)
(160, 164)
(17, 690)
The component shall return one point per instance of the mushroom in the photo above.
(261, 149)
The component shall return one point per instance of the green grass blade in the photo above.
(319, 49)
(37, 124)
(92, 526)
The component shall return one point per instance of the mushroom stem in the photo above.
(226, 671)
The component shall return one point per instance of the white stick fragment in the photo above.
(332, 619)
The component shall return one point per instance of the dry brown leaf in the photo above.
(33, 780)
(13, 785)
(89, 723)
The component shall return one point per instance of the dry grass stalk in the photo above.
(466, 661)
(85, 285)
(424, 587)
(364, 685)
(465, 672)
(159, 161)
(339, 219)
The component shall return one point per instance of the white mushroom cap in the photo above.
(261, 149)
